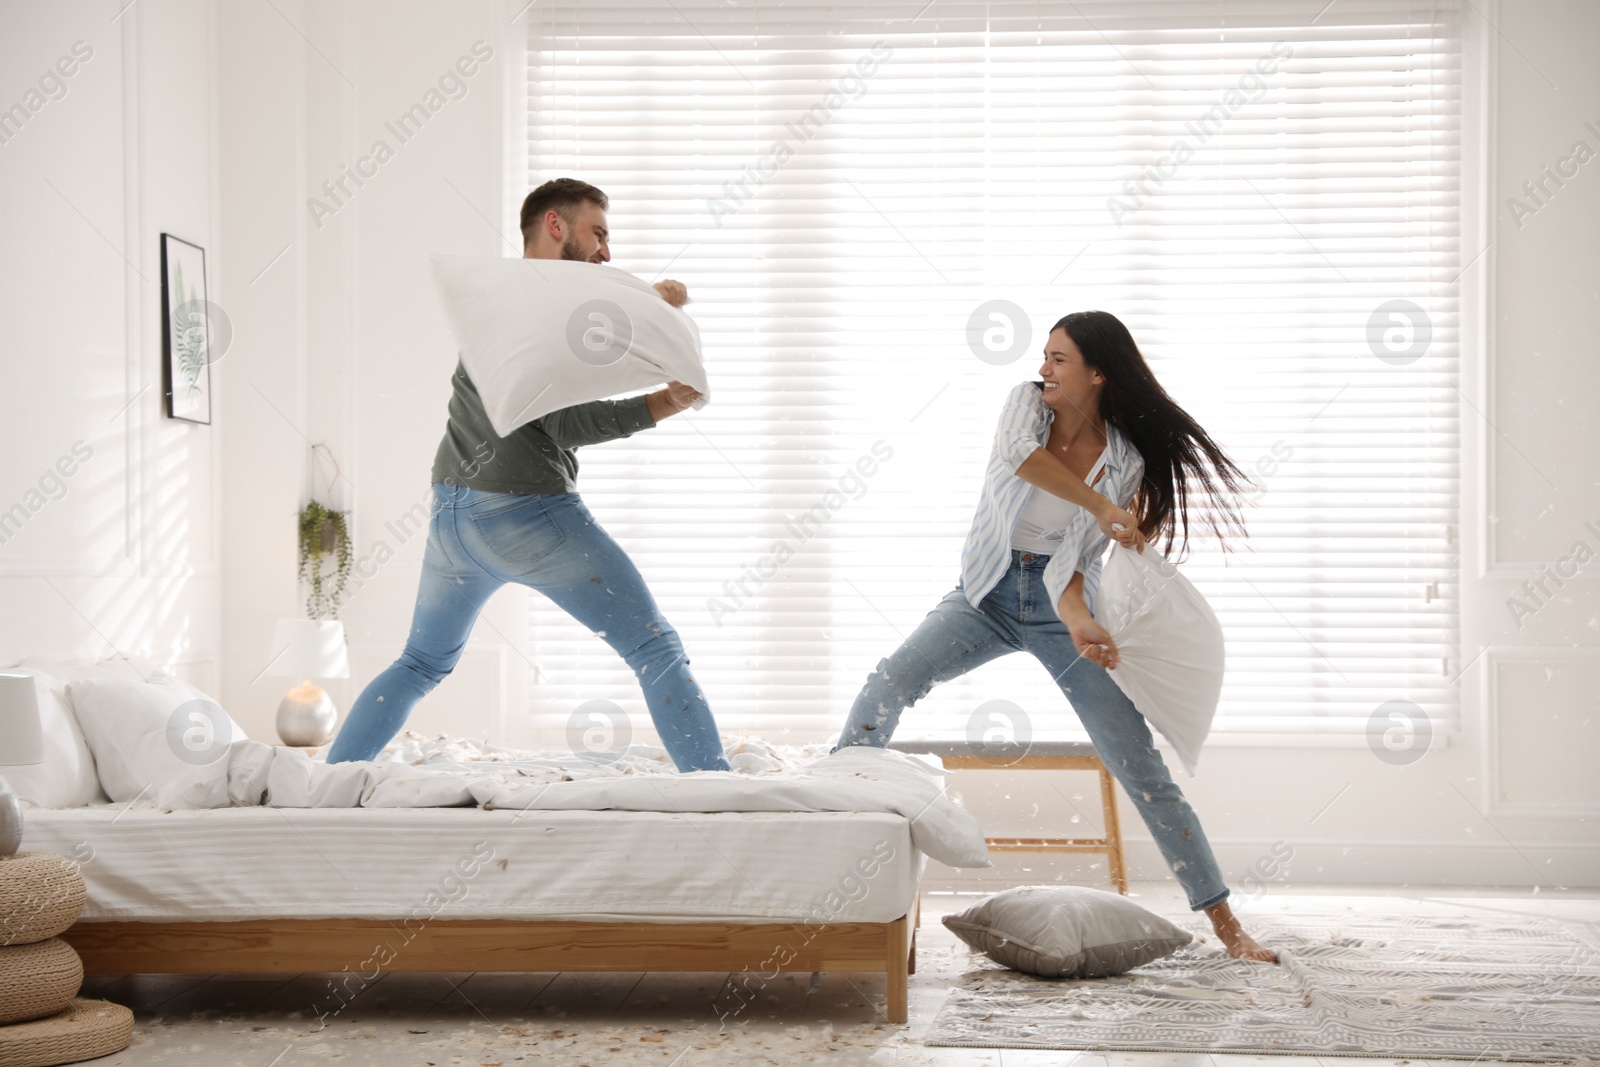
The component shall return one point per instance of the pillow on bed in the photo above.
(156, 739)
(1066, 932)
(66, 778)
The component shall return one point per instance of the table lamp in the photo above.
(307, 649)
(21, 745)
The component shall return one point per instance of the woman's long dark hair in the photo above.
(1179, 456)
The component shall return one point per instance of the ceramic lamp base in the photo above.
(306, 717)
(10, 821)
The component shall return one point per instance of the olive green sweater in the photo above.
(536, 457)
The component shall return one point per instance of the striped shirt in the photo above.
(1024, 427)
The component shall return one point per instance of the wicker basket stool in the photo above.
(86, 1030)
(42, 1020)
(41, 894)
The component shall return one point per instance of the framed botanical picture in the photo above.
(186, 334)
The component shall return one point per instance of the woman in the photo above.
(1074, 452)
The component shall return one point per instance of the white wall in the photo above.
(1536, 503)
(121, 556)
(338, 339)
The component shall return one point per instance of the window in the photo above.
(1268, 198)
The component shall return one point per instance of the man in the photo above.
(506, 509)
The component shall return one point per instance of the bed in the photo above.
(452, 855)
(754, 894)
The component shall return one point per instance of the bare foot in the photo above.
(1240, 945)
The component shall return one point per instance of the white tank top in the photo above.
(1045, 516)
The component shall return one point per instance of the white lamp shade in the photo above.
(308, 648)
(21, 736)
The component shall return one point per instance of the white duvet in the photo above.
(454, 774)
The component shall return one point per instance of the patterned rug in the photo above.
(1366, 977)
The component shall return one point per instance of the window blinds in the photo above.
(1267, 198)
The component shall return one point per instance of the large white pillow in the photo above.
(157, 740)
(66, 778)
(1170, 650)
(538, 335)
(1063, 931)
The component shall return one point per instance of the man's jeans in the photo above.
(479, 541)
(1017, 616)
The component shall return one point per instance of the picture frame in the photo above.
(186, 342)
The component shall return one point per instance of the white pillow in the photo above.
(539, 335)
(1066, 931)
(1170, 650)
(157, 740)
(66, 778)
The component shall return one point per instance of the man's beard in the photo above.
(571, 251)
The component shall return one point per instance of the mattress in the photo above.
(469, 863)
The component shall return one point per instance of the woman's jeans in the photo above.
(1017, 616)
(479, 541)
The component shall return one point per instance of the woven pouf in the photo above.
(37, 980)
(85, 1030)
(41, 895)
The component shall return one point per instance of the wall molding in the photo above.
(201, 670)
(135, 426)
(125, 563)
(70, 567)
(1490, 565)
(1519, 571)
(511, 43)
(1489, 791)
(1478, 224)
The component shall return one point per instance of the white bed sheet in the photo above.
(379, 863)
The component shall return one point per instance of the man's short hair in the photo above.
(564, 196)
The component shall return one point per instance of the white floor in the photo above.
(666, 1020)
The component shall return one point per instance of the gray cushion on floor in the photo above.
(1066, 931)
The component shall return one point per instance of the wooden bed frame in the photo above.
(353, 947)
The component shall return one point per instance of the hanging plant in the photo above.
(324, 542)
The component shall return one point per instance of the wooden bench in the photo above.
(1037, 756)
